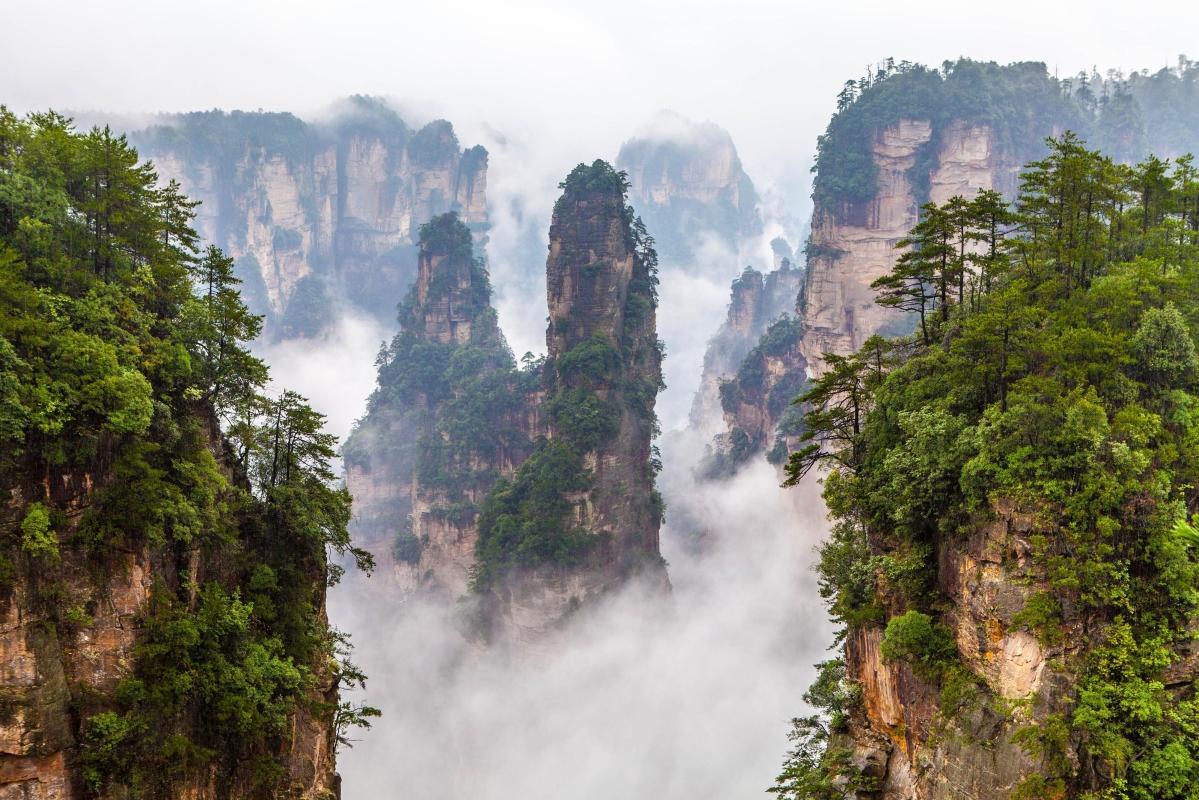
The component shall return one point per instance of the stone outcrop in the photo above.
(755, 301)
(601, 286)
(407, 487)
(915, 747)
(854, 245)
(850, 247)
(429, 462)
(53, 673)
(319, 213)
(687, 182)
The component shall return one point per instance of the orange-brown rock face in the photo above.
(51, 674)
(916, 747)
(319, 214)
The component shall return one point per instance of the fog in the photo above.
(645, 697)
(578, 75)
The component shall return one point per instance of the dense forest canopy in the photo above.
(124, 360)
(1054, 371)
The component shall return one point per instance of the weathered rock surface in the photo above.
(686, 182)
(934, 753)
(756, 300)
(323, 213)
(853, 246)
(600, 290)
(401, 488)
(850, 248)
(51, 674)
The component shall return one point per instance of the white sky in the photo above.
(579, 76)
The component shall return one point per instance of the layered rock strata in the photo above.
(319, 213)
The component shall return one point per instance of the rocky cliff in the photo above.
(1010, 559)
(451, 414)
(903, 136)
(72, 642)
(167, 526)
(855, 244)
(319, 213)
(687, 183)
(530, 488)
(906, 737)
(755, 302)
(603, 373)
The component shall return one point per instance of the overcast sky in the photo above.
(575, 76)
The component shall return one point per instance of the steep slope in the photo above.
(162, 583)
(532, 488)
(451, 414)
(541, 560)
(316, 212)
(903, 136)
(1013, 559)
(755, 301)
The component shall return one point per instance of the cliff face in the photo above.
(446, 421)
(686, 181)
(531, 488)
(69, 642)
(855, 244)
(316, 213)
(903, 738)
(162, 579)
(755, 301)
(852, 244)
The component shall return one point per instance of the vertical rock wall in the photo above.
(855, 245)
(324, 213)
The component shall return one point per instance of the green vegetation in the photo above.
(524, 520)
(914, 637)
(1056, 374)
(1020, 102)
(750, 386)
(124, 371)
(528, 521)
(458, 403)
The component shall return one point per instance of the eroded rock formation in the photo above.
(687, 182)
(448, 418)
(904, 742)
(529, 488)
(69, 641)
(318, 213)
(855, 244)
(755, 301)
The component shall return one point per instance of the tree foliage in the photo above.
(124, 357)
(1055, 373)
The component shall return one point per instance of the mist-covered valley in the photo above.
(643, 693)
(611, 401)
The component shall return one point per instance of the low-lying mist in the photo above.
(642, 696)
(645, 697)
